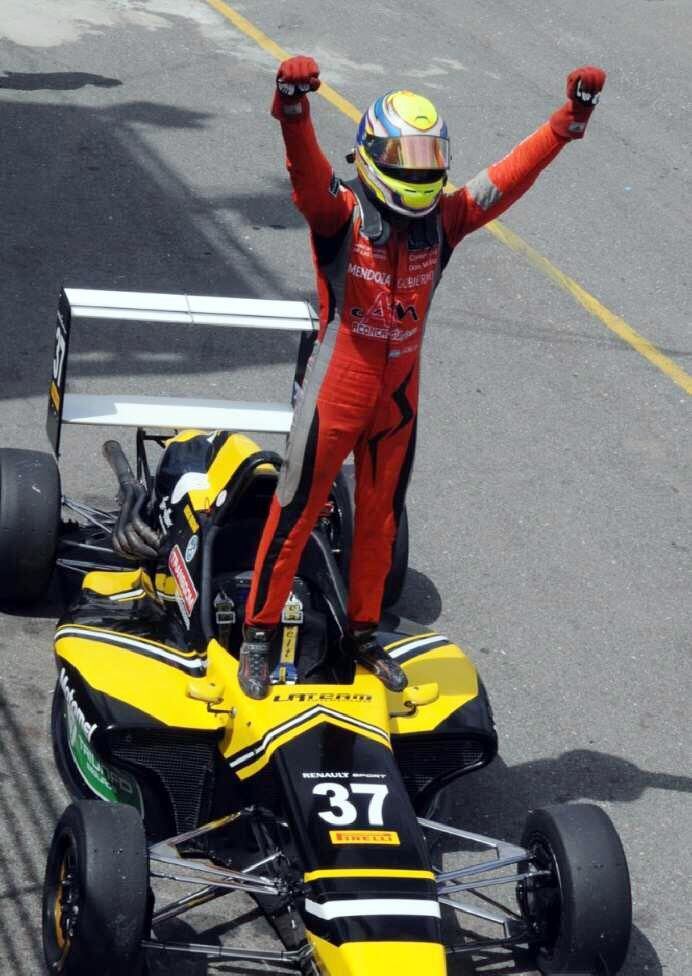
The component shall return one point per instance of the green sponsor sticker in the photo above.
(110, 784)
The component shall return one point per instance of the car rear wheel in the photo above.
(29, 524)
(95, 893)
(579, 905)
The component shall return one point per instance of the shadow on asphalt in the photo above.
(54, 81)
(496, 800)
(642, 960)
(500, 796)
(163, 963)
(177, 930)
(88, 203)
(30, 805)
(420, 599)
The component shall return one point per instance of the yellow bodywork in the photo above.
(111, 584)
(457, 683)
(233, 452)
(199, 690)
(379, 958)
(153, 687)
(213, 700)
(441, 680)
(360, 707)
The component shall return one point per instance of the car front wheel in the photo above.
(578, 906)
(95, 893)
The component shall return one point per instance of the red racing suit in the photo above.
(361, 387)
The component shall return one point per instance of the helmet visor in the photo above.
(408, 152)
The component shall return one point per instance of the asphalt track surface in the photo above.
(550, 504)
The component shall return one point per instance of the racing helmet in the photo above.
(402, 153)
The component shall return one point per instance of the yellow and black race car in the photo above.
(315, 801)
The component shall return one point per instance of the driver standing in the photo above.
(380, 244)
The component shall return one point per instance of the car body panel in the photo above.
(343, 763)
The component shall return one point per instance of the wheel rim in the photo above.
(540, 897)
(65, 906)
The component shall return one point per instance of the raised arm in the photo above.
(316, 190)
(496, 188)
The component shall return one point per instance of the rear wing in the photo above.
(172, 412)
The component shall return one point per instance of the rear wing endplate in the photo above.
(172, 412)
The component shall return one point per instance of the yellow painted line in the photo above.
(368, 873)
(500, 231)
(588, 301)
(271, 47)
(249, 29)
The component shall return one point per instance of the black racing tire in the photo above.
(96, 892)
(342, 526)
(581, 914)
(29, 524)
(65, 764)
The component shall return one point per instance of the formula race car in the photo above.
(317, 801)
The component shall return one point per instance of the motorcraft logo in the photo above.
(70, 698)
(191, 548)
(186, 588)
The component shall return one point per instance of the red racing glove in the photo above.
(584, 86)
(295, 77)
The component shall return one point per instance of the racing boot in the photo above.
(253, 661)
(362, 646)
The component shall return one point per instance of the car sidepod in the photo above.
(442, 725)
(125, 726)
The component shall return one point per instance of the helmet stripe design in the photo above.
(396, 115)
(380, 111)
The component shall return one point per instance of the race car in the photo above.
(316, 801)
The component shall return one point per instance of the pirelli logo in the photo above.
(364, 837)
